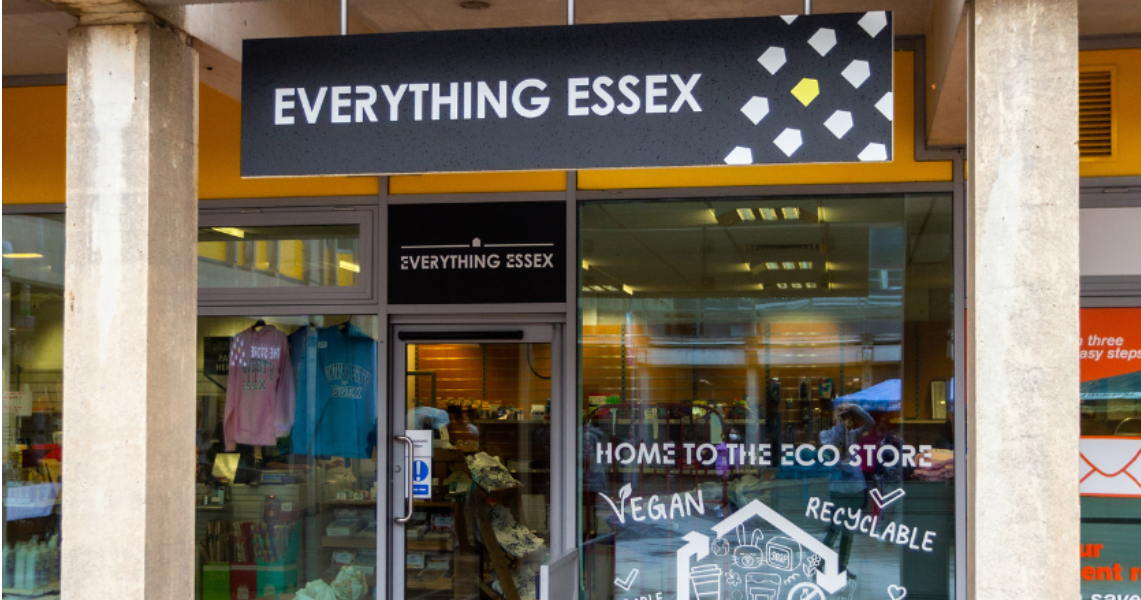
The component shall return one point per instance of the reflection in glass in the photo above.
(483, 530)
(287, 476)
(759, 420)
(33, 402)
(293, 256)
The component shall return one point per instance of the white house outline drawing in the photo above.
(831, 579)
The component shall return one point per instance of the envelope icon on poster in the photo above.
(1110, 466)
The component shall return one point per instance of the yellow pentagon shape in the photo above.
(806, 91)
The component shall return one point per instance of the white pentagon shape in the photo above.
(823, 40)
(772, 59)
(886, 105)
(874, 22)
(789, 18)
(839, 123)
(756, 109)
(740, 156)
(789, 141)
(873, 153)
(857, 72)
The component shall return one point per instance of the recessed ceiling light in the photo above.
(768, 214)
(805, 264)
(782, 286)
(585, 266)
(746, 214)
(796, 286)
(475, 5)
(772, 266)
(810, 285)
(791, 212)
(628, 289)
(788, 265)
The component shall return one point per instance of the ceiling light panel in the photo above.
(234, 231)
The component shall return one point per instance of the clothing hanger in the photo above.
(259, 323)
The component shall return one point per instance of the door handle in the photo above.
(407, 478)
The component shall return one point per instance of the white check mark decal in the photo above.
(629, 581)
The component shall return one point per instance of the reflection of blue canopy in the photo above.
(881, 396)
(1125, 387)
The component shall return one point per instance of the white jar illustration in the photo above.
(762, 586)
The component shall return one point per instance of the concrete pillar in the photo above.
(129, 326)
(1023, 300)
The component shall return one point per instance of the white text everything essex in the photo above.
(601, 96)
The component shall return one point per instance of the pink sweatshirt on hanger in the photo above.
(259, 393)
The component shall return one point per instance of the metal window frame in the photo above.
(367, 300)
(260, 213)
(35, 209)
(956, 188)
(545, 329)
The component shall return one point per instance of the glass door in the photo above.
(471, 465)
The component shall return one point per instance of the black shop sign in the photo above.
(502, 252)
(771, 90)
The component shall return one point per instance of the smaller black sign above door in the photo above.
(502, 252)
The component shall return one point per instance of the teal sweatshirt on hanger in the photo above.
(336, 392)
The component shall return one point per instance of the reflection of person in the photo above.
(461, 426)
(848, 487)
(722, 463)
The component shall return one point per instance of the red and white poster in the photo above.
(1110, 462)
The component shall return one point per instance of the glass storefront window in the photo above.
(33, 402)
(1109, 469)
(287, 473)
(282, 256)
(766, 399)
